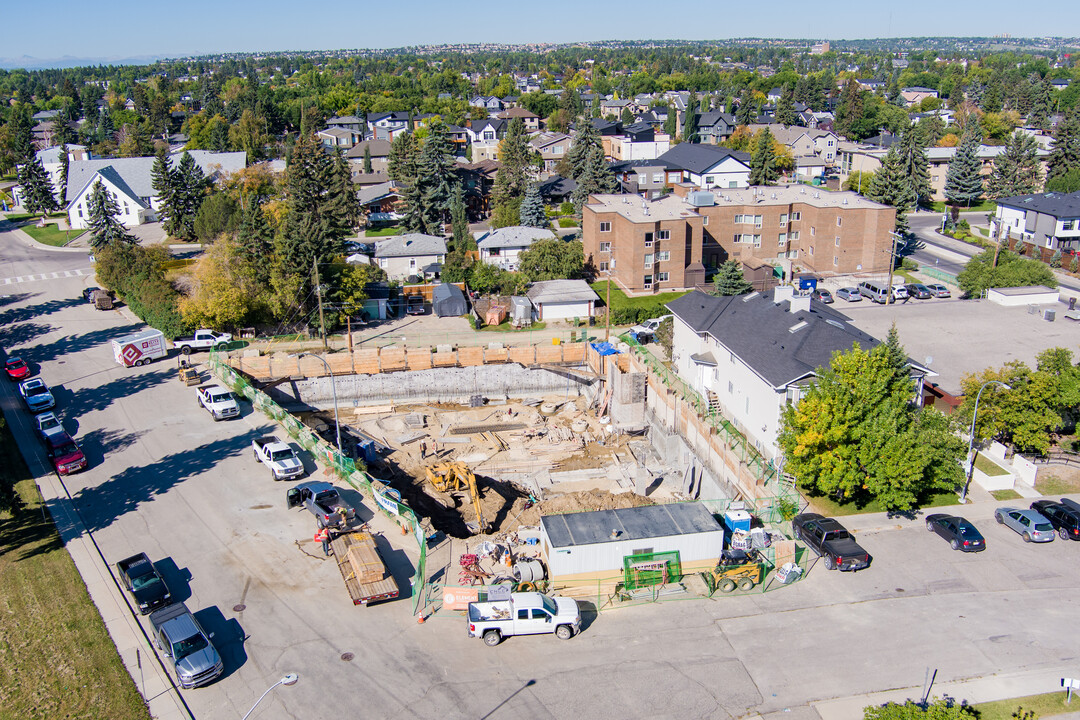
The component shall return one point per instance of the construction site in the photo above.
(486, 455)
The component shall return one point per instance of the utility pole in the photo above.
(892, 264)
(318, 293)
(607, 303)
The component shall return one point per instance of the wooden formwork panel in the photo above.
(524, 355)
(546, 354)
(258, 368)
(392, 359)
(311, 367)
(574, 352)
(470, 356)
(444, 359)
(282, 365)
(340, 363)
(497, 355)
(366, 362)
(419, 359)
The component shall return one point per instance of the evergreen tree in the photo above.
(105, 229)
(747, 109)
(915, 166)
(161, 179)
(1042, 105)
(595, 177)
(729, 279)
(37, 190)
(1065, 148)
(65, 165)
(850, 109)
(188, 189)
(367, 159)
(342, 207)
(763, 169)
(61, 131)
(785, 106)
(459, 219)
(690, 120)
(402, 167)
(890, 186)
(532, 208)
(510, 181)
(255, 239)
(106, 130)
(893, 95)
(1017, 170)
(436, 178)
(963, 183)
(22, 133)
(671, 123)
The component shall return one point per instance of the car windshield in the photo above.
(281, 455)
(549, 605)
(36, 390)
(219, 397)
(1044, 527)
(145, 581)
(67, 449)
(967, 531)
(16, 364)
(188, 646)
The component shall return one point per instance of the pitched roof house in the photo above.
(405, 255)
(502, 247)
(707, 166)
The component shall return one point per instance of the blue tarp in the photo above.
(604, 348)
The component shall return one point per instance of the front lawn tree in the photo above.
(552, 259)
(856, 434)
(1016, 171)
(729, 279)
(963, 183)
(1011, 270)
(38, 195)
(763, 170)
(105, 229)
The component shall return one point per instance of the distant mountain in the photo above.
(67, 61)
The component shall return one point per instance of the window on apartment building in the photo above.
(647, 282)
(605, 227)
(794, 237)
(747, 404)
(757, 241)
(811, 249)
(838, 221)
(603, 266)
(648, 260)
(730, 388)
(835, 261)
(837, 241)
(781, 240)
(663, 234)
(783, 219)
(739, 219)
(813, 231)
(796, 216)
(663, 256)
(605, 247)
(648, 239)
(757, 221)
(661, 277)
(705, 220)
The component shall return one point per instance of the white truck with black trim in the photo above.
(201, 340)
(218, 401)
(279, 457)
(529, 613)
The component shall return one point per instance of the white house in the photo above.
(1050, 220)
(131, 181)
(707, 166)
(562, 299)
(412, 254)
(752, 355)
(502, 247)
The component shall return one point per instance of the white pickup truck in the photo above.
(201, 340)
(279, 457)
(647, 330)
(529, 613)
(218, 401)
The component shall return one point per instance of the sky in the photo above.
(125, 29)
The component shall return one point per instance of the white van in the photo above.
(875, 291)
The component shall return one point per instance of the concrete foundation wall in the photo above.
(453, 385)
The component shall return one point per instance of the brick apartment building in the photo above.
(667, 244)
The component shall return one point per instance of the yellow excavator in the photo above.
(455, 476)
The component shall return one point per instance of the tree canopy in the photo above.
(1012, 270)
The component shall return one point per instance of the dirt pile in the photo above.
(581, 501)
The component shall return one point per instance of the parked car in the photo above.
(849, 293)
(279, 457)
(415, 305)
(140, 578)
(35, 393)
(16, 368)
(322, 500)
(829, 539)
(47, 424)
(1029, 524)
(918, 291)
(899, 291)
(529, 613)
(961, 534)
(201, 340)
(64, 453)
(823, 295)
(1065, 519)
(938, 290)
(218, 401)
(644, 332)
(187, 646)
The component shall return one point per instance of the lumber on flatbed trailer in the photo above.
(362, 544)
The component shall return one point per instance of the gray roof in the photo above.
(635, 523)
(759, 332)
(556, 291)
(1059, 205)
(700, 158)
(379, 148)
(137, 174)
(371, 193)
(52, 154)
(109, 173)
(514, 236)
(411, 245)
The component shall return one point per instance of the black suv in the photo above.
(1064, 516)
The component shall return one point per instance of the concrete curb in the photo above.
(27, 240)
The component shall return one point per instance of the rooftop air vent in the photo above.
(751, 296)
(701, 199)
(798, 326)
(835, 323)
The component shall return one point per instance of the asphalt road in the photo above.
(167, 480)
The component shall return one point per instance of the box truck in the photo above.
(139, 348)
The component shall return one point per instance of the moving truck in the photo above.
(139, 348)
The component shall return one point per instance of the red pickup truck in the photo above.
(65, 455)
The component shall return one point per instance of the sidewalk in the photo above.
(23, 237)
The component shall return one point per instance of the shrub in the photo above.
(1055, 260)
(567, 222)
(567, 208)
(909, 264)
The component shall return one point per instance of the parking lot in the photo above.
(166, 479)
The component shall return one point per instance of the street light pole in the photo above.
(971, 438)
(289, 679)
(333, 386)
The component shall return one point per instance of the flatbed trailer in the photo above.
(362, 593)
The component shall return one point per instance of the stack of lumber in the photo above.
(365, 562)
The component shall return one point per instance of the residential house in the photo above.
(858, 157)
(348, 122)
(502, 247)
(613, 107)
(552, 147)
(459, 138)
(378, 149)
(666, 244)
(607, 127)
(490, 103)
(338, 137)
(484, 138)
(1047, 220)
(378, 198)
(637, 142)
(530, 119)
(477, 179)
(403, 256)
(714, 127)
(753, 355)
(557, 190)
(50, 161)
(773, 96)
(941, 157)
(871, 85)
(808, 167)
(562, 300)
(387, 126)
(915, 95)
(647, 178)
(707, 166)
(804, 142)
(654, 118)
(131, 181)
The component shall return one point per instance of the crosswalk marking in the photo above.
(46, 276)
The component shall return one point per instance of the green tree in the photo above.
(65, 166)
(532, 208)
(37, 189)
(963, 183)
(255, 242)
(367, 159)
(747, 108)
(188, 189)
(1067, 182)
(915, 166)
(1016, 171)
(162, 180)
(436, 178)
(217, 214)
(785, 106)
(226, 290)
(763, 170)
(1065, 147)
(515, 156)
(671, 124)
(890, 186)
(138, 275)
(730, 280)
(459, 218)
(552, 259)
(665, 334)
(849, 110)
(105, 229)
(856, 434)
(690, 120)
(1042, 105)
(1012, 270)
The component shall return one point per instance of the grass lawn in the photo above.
(1005, 494)
(58, 659)
(385, 232)
(987, 206)
(1060, 481)
(619, 298)
(1042, 705)
(51, 234)
(830, 508)
(506, 327)
(988, 466)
